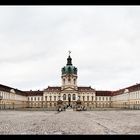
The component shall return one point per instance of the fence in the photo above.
(26, 107)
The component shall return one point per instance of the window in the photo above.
(54, 98)
(35, 98)
(59, 97)
(87, 98)
(74, 81)
(50, 98)
(73, 97)
(69, 79)
(38, 99)
(31, 98)
(79, 97)
(64, 97)
(45, 98)
(92, 98)
(83, 98)
(69, 97)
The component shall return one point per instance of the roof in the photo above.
(135, 87)
(69, 69)
(8, 89)
(53, 88)
(132, 88)
(85, 88)
(103, 93)
(118, 92)
(34, 93)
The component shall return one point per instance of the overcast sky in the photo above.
(35, 40)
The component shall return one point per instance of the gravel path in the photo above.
(70, 122)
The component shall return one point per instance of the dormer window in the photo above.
(12, 91)
(126, 91)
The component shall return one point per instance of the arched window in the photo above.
(54, 98)
(74, 81)
(73, 97)
(83, 98)
(64, 97)
(92, 98)
(87, 98)
(69, 97)
(75, 70)
(69, 79)
(69, 70)
(64, 81)
(50, 98)
(79, 97)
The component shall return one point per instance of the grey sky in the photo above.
(104, 40)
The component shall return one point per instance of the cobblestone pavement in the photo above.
(70, 122)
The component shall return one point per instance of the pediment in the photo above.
(69, 88)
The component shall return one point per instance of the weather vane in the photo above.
(69, 52)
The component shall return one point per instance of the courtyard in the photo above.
(70, 122)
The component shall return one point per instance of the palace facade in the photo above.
(69, 94)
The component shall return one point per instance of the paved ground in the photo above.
(70, 122)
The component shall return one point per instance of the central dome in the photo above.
(69, 68)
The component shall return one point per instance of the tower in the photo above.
(69, 75)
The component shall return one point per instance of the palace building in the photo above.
(69, 95)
